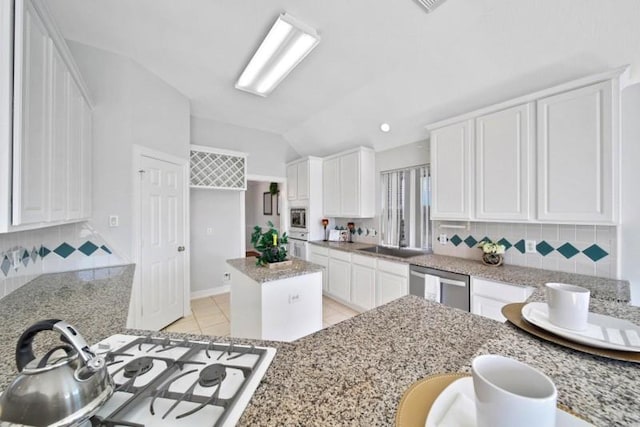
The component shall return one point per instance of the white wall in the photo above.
(219, 210)
(254, 209)
(630, 230)
(267, 152)
(132, 106)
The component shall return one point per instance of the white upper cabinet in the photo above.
(502, 153)
(348, 184)
(303, 180)
(51, 121)
(298, 179)
(451, 171)
(551, 156)
(576, 156)
(292, 182)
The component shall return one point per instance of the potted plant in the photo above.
(272, 247)
(273, 188)
(492, 253)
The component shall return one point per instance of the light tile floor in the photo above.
(211, 315)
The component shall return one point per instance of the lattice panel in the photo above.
(220, 171)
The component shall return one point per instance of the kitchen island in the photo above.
(281, 304)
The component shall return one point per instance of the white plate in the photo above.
(602, 331)
(455, 406)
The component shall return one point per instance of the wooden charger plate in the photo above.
(419, 398)
(513, 313)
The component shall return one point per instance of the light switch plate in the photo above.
(114, 220)
(443, 239)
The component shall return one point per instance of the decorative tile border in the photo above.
(594, 252)
(64, 250)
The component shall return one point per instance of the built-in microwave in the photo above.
(298, 218)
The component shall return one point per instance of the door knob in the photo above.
(180, 248)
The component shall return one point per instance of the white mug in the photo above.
(568, 305)
(511, 393)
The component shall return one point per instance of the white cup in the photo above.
(568, 305)
(511, 393)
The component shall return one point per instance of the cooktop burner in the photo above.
(137, 367)
(166, 382)
(212, 375)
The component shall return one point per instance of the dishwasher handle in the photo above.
(453, 282)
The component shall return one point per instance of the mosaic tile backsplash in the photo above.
(578, 249)
(27, 254)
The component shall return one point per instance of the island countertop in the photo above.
(260, 274)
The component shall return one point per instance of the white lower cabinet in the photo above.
(392, 281)
(340, 275)
(488, 297)
(323, 260)
(363, 282)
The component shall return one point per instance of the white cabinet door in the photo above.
(87, 160)
(488, 307)
(303, 180)
(390, 287)
(350, 185)
(363, 285)
(451, 152)
(323, 261)
(61, 111)
(502, 151)
(32, 129)
(331, 187)
(292, 182)
(340, 279)
(576, 156)
(75, 161)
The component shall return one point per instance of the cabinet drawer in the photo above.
(500, 291)
(345, 256)
(319, 250)
(394, 268)
(365, 261)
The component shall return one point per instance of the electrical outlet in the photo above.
(114, 221)
(294, 298)
(226, 277)
(443, 239)
(209, 231)
(530, 246)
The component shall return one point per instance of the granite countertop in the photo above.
(601, 288)
(248, 267)
(95, 301)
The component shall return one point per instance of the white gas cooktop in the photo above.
(163, 382)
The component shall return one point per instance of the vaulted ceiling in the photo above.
(378, 61)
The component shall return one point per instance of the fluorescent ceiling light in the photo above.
(286, 44)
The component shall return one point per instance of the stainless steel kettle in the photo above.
(56, 391)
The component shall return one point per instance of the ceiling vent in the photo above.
(430, 5)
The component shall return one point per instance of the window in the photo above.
(405, 208)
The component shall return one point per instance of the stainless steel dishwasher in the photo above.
(448, 288)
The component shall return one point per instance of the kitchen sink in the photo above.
(397, 252)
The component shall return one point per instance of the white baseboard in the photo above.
(211, 292)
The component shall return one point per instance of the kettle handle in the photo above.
(24, 348)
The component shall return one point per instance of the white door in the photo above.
(59, 164)
(75, 154)
(350, 185)
(331, 187)
(292, 182)
(503, 142)
(451, 171)
(303, 180)
(340, 279)
(391, 287)
(363, 285)
(576, 156)
(162, 235)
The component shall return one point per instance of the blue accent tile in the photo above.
(485, 239)
(359, 231)
(568, 250)
(44, 251)
(25, 258)
(64, 250)
(88, 248)
(544, 248)
(456, 240)
(595, 253)
(106, 249)
(504, 242)
(34, 254)
(470, 241)
(5, 266)
(520, 246)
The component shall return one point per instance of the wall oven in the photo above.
(298, 218)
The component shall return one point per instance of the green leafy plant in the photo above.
(273, 188)
(272, 247)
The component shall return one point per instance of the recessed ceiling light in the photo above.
(286, 44)
(384, 127)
